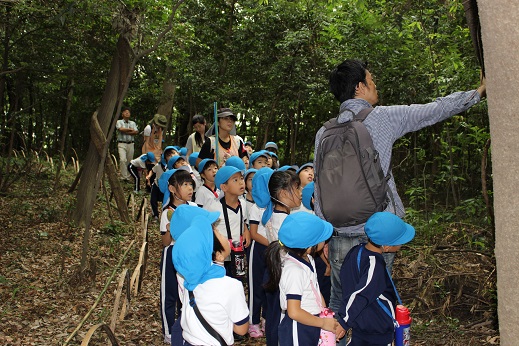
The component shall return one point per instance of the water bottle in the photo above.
(326, 338)
(403, 332)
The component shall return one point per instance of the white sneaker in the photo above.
(167, 339)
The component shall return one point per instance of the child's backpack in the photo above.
(349, 180)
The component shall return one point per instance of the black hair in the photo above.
(168, 152)
(198, 119)
(217, 246)
(125, 109)
(206, 167)
(178, 178)
(374, 244)
(345, 78)
(273, 258)
(282, 180)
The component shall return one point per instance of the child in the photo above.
(218, 299)
(136, 166)
(306, 175)
(322, 264)
(278, 192)
(154, 176)
(249, 200)
(231, 224)
(368, 291)
(208, 191)
(258, 160)
(180, 185)
(177, 161)
(291, 266)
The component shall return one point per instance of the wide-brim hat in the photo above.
(304, 230)
(160, 120)
(385, 228)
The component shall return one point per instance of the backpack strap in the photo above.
(202, 320)
(226, 218)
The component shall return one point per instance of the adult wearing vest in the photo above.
(152, 133)
(196, 140)
(353, 86)
(126, 131)
(228, 143)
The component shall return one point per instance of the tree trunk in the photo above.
(500, 39)
(64, 132)
(166, 100)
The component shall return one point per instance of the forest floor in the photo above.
(445, 279)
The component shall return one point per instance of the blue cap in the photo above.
(164, 183)
(385, 228)
(149, 156)
(308, 164)
(192, 158)
(237, 162)
(261, 193)
(271, 145)
(185, 214)
(192, 254)
(162, 158)
(223, 175)
(183, 151)
(173, 160)
(288, 168)
(203, 163)
(255, 156)
(274, 155)
(308, 193)
(304, 230)
(249, 171)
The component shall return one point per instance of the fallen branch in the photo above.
(108, 282)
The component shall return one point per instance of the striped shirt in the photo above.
(386, 124)
(121, 136)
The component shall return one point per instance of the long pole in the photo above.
(216, 139)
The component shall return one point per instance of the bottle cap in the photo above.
(403, 315)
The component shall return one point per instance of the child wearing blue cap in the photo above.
(277, 192)
(136, 166)
(180, 186)
(258, 160)
(231, 224)
(206, 292)
(176, 161)
(369, 295)
(291, 267)
(154, 176)
(208, 191)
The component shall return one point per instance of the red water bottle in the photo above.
(403, 332)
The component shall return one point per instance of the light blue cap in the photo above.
(185, 214)
(288, 168)
(149, 156)
(173, 160)
(183, 151)
(162, 158)
(192, 254)
(255, 156)
(237, 162)
(304, 230)
(203, 163)
(249, 171)
(308, 164)
(385, 228)
(308, 193)
(261, 194)
(223, 175)
(193, 157)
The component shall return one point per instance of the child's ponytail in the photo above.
(273, 258)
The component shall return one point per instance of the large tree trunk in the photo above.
(500, 35)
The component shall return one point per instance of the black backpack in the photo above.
(349, 180)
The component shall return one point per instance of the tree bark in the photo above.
(500, 35)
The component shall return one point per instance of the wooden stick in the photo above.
(100, 295)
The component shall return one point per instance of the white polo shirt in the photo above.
(222, 303)
(255, 216)
(235, 219)
(248, 207)
(204, 195)
(274, 225)
(297, 276)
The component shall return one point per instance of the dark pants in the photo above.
(257, 269)
(325, 282)
(134, 172)
(156, 196)
(306, 335)
(169, 301)
(356, 341)
(273, 315)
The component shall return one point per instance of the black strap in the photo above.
(226, 217)
(202, 320)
